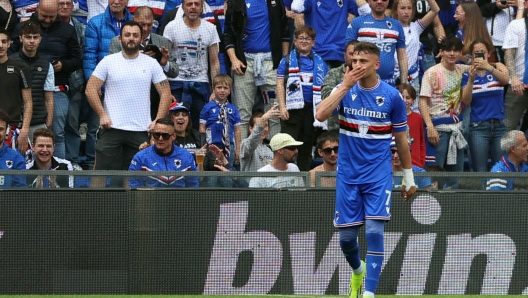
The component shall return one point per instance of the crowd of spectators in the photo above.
(158, 83)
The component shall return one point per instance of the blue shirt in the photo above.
(209, 117)
(421, 182)
(330, 40)
(11, 160)
(178, 160)
(305, 73)
(387, 34)
(505, 166)
(488, 97)
(367, 118)
(257, 36)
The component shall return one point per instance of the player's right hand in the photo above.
(407, 195)
(352, 76)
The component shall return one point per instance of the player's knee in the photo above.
(348, 240)
(374, 226)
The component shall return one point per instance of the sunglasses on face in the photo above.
(328, 151)
(164, 135)
(394, 151)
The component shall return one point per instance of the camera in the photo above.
(479, 55)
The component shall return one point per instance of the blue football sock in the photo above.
(350, 246)
(374, 261)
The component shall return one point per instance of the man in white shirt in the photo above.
(285, 152)
(125, 111)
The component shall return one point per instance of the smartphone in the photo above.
(503, 2)
(479, 55)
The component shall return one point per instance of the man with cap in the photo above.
(285, 152)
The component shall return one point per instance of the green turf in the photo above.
(244, 296)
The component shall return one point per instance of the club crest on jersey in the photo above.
(10, 69)
(389, 24)
(340, 3)
(177, 163)
(354, 96)
(380, 100)
(363, 129)
(230, 110)
(318, 3)
(490, 77)
(9, 164)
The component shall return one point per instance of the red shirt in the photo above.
(416, 130)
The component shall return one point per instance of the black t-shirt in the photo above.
(14, 76)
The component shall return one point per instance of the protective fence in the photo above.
(252, 242)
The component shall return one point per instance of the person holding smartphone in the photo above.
(483, 90)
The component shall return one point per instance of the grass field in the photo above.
(245, 296)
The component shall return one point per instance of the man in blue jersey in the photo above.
(515, 147)
(386, 33)
(369, 113)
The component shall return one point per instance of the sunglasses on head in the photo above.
(164, 135)
(291, 148)
(328, 151)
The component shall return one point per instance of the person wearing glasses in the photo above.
(163, 156)
(285, 149)
(299, 79)
(387, 33)
(327, 147)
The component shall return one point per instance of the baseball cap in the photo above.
(175, 106)
(282, 140)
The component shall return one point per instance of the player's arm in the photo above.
(327, 107)
(403, 64)
(408, 187)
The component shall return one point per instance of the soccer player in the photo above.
(370, 110)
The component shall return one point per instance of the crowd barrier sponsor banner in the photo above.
(253, 242)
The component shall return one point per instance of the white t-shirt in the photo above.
(515, 38)
(127, 89)
(500, 21)
(412, 46)
(277, 182)
(191, 48)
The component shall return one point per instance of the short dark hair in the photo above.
(4, 31)
(257, 114)
(144, 11)
(451, 43)
(331, 135)
(30, 27)
(45, 133)
(351, 43)
(4, 116)
(131, 24)
(165, 121)
(367, 47)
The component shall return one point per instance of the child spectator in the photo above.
(415, 123)
(220, 120)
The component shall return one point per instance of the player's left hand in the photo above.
(407, 195)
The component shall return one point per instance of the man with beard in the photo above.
(125, 113)
(334, 77)
(327, 147)
(285, 152)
